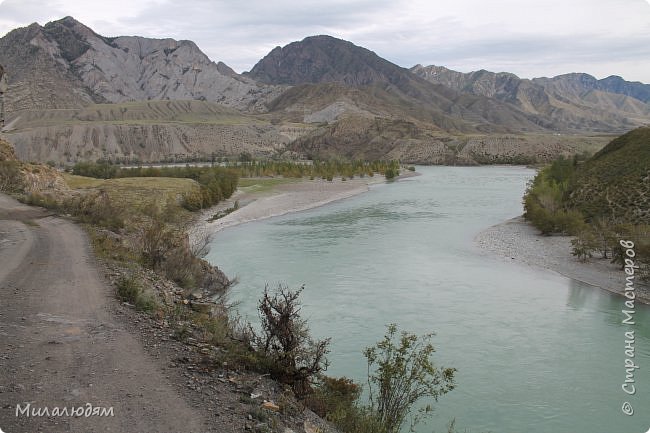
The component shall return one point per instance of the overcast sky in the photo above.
(530, 39)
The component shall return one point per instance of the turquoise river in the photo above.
(536, 352)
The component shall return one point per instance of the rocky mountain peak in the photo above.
(72, 24)
(82, 66)
(323, 58)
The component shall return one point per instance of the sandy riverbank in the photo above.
(517, 241)
(283, 199)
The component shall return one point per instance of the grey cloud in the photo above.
(240, 35)
(540, 53)
(25, 11)
(20, 13)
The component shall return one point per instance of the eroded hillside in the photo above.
(75, 95)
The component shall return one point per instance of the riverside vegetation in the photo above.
(139, 226)
(247, 168)
(600, 201)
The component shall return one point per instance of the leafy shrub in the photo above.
(357, 419)
(391, 173)
(99, 170)
(192, 200)
(128, 289)
(544, 202)
(401, 372)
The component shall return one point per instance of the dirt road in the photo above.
(61, 347)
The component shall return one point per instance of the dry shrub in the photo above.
(294, 358)
(11, 178)
(95, 208)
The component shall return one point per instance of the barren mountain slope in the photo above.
(325, 60)
(573, 102)
(64, 64)
(75, 95)
(146, 131)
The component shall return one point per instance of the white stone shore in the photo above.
(284, 199)
(516, 240)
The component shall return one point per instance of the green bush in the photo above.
(391, 173)
(100, 170)
(182, 267)
(544, 202)
(129, 290)
(192, 200)
(583, 245)
(401, 373)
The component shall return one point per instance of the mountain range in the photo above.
(74, 94)
(576, 102)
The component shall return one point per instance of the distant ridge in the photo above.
(571, 102)
(74, 94)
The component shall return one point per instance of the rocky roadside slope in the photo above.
(230, 399)
(70, 341)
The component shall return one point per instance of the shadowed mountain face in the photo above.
(616, 84)
(324, 59)
(37, 75)
(64, 64)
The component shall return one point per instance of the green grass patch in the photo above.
(82, 182)
(137, 192)
(264, 184)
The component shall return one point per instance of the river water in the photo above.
(535, 352)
